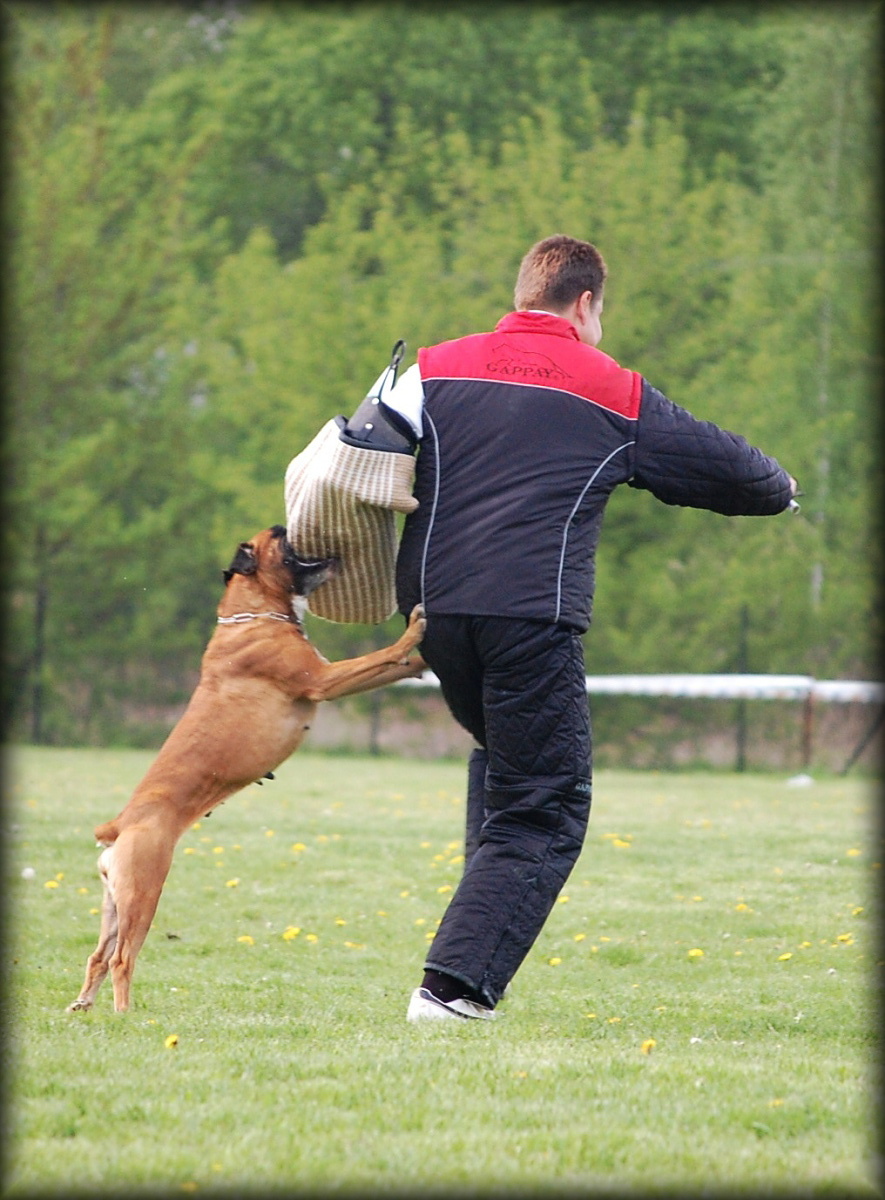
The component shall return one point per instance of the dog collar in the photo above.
(239, 618)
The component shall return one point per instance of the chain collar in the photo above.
(239, 618)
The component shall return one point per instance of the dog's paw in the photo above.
(79, 1006)
(417, 620)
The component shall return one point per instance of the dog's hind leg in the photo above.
(137, 872)
(99, 961)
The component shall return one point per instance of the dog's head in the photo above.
(269, 553)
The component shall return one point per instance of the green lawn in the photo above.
(697, 1014)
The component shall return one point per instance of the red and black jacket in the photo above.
(527, 431)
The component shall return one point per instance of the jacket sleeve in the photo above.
(693, 463)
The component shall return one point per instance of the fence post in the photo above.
(742, 666)
(807, 729)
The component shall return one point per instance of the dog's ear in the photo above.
(244, 562)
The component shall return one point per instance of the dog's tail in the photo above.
(107, 834)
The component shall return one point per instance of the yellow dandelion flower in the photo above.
(171, 1041)
(430, 935)
(51, 883)
(218, 849)
(311, 937)
(298, 847)
(189, 850)
(340, 921)
(196, 825)
(425, 845)
(855, 912)
(445, 888)
(777, 1102)
(381, 913)
(579, 937)
(621, 843)
(562, 899)
(355, 945)
(83, 891)
(742, 907)
(847, 939)
(457, 858)
(804, 945)
(614, 1020)
(270, 833)
(696, 953)
(696, 899)
(648, 1045)
(93, 912)
(554, 962)
(420, 920)
(291, 932)
(246, 939)
(321, 837)
(190, 1186)
(853, 852)
(404, 894)
(590, 1016)
(232, 883)
(784, 957)
(605, 939)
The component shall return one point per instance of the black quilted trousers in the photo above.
(518, 687)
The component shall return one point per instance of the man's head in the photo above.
(566, 276)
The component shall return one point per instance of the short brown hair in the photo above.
(556, 271)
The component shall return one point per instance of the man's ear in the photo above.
(244, 562)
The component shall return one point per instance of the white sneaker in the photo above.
(424, 1006)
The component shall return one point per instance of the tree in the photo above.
(95, 456)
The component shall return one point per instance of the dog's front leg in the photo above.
(352, 675)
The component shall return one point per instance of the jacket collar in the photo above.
(534, 321)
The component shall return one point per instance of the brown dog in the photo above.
(260, 682)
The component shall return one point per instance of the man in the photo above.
(523, 434)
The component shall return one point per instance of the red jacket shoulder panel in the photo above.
(536, 350)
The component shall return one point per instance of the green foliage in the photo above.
(294, 925)
(220, 222)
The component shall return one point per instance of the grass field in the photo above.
(697, 1015)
